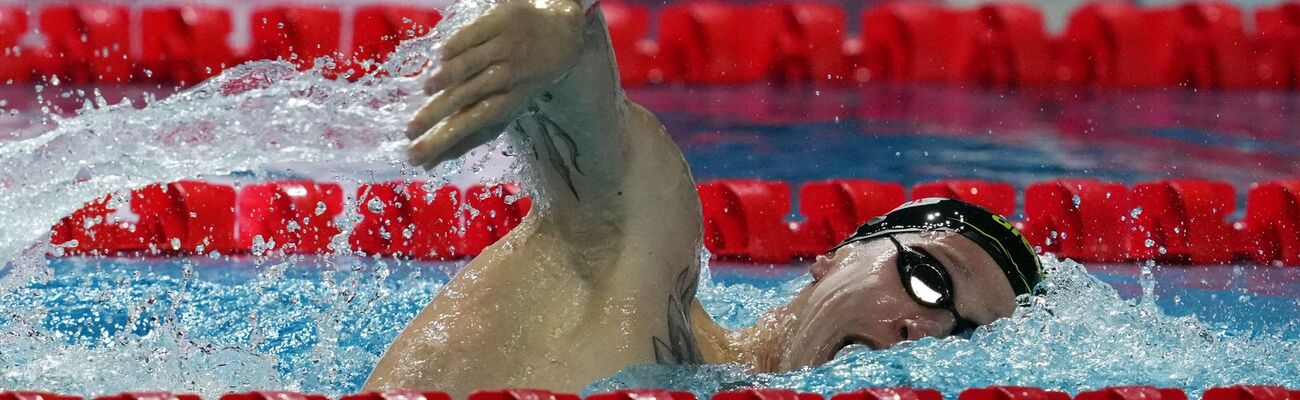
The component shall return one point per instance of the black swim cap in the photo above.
(990, 231)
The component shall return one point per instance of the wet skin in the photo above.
(601, 274)
(857, 297)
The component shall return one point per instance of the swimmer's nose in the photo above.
(915, 329)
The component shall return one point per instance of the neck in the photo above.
(759, 347)
(762, 346)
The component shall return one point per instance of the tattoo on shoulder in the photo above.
(551, 132)
(679, 347)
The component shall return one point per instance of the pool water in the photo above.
(219, 324)
(318, 325)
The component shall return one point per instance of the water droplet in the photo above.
(261, 245)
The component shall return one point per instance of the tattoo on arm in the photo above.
(550, 133)
(680, 346)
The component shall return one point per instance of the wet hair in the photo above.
(993, 233)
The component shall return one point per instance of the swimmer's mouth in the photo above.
(853, 343)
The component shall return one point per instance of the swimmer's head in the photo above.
(932, 267)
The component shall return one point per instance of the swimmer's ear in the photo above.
(821, 267)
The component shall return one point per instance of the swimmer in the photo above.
(602, 273)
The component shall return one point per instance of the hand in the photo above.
(490, 70)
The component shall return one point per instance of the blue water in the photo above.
(915, 133)
(318, 325)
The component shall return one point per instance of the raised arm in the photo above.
(602, 273)
(543, 73)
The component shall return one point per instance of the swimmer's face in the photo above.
(857, 297)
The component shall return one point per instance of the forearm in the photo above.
(574, 135)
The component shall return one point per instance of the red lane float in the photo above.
(1278, 31)
(1010, 46)
(908, 41)
(1209, 45)
(490, 213)
(765, 394)
(1251, 392)
(1183, 221)
(643, 394)
(833, 209)
(890, 394)
(998, 197)
(1271, 227)
(1086, 220)
(1132, 393)
(1239, 392)
(204, 213)
(628, 24)
(745, 219)
(711, 42)
(298, 34)
(1011, 393)
(292, 216)
(272, 395)
(184, 44)
(1109, 44)
(398, 395)
(97, 229)
(13, 60)
(35, 396)
(183, 217)
(378, 29)
(521, 394)
(807, 39)
(404, 218)
(149, 396)
(86, 43)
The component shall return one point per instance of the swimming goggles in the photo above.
(929, 284)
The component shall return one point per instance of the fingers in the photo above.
(474, 34)
(469, 143)
(464, 131)
(463, 66)
(492, 80)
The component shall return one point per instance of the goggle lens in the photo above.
(922, 276)
(928, 283)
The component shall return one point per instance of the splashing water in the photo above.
(250, 117)
(213, 326)
(1080, 335)
(206, 326)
